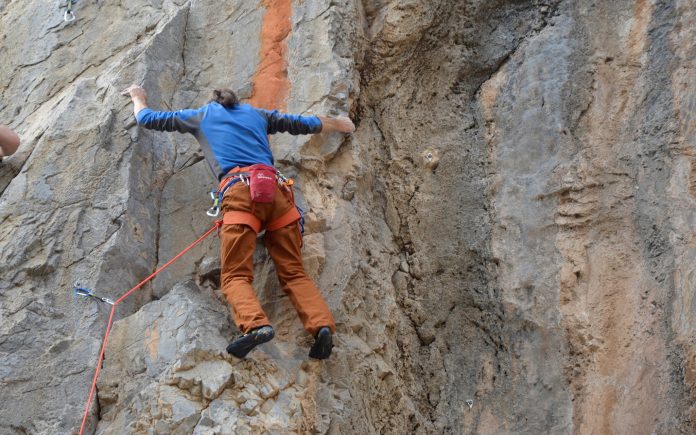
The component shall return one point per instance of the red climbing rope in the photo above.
(113, 310)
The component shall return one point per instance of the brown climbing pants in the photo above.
(238, 243)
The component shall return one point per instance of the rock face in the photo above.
(506, 241)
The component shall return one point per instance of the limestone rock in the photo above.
(510, 226)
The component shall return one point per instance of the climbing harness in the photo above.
(261, 180)
(246, 218)
(86, 292)
(69, 15)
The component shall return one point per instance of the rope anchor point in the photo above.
(84, 291)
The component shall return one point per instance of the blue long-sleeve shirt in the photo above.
(236, 136)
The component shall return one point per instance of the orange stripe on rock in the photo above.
(270, 85)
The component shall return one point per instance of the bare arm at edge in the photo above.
(341, 124)
(138, 96)
(9, 141)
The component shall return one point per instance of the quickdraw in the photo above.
(226, 183)
(284, 180)
(69, 15)
(84, 291)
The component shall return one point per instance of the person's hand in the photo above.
(9, 141)
(344, 124)
(139, 97)
(341, 124)
(135, 91)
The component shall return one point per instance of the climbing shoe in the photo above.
(241, 346)
(321, 349)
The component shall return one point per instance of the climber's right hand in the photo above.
(341, 124)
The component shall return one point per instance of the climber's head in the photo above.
(226, 97)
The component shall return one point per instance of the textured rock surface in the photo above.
(510, 225)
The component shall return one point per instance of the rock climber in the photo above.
(236, 135)
(9, 141)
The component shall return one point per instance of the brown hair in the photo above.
(226, 97)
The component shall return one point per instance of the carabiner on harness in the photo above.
(83, 291)
(215, 209)
(217, 196)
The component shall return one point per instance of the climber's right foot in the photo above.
(321, 349)
(241, 346)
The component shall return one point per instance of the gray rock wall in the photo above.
(505, 241)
